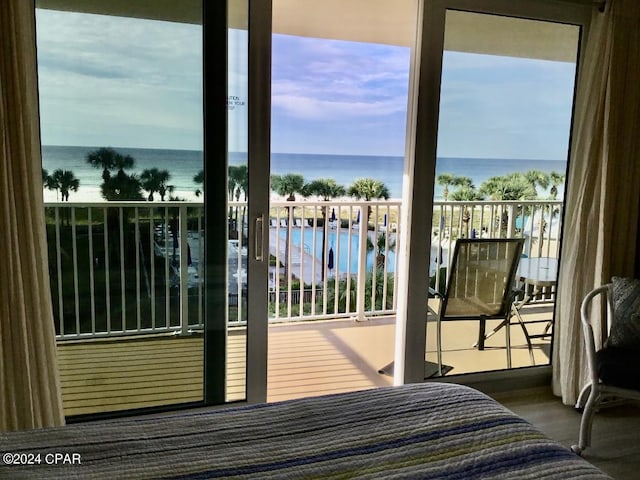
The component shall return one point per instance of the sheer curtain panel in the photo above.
(29, 385)
(604, 182)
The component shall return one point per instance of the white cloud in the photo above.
(119, 81)
(335, 110)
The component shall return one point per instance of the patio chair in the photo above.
(612, 360)
(479, 287)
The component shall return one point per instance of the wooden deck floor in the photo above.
(310, 358)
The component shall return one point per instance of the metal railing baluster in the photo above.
(107, 279)
(184, 270)
(152, 263)
(137, 247)
(539, 221)
(74, 255)
(92, 282)
(59, 272)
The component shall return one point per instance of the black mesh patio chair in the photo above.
(479, 287)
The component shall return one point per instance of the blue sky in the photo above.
(137, 83)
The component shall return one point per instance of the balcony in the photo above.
(127, 291)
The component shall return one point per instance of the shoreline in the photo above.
(93, 195)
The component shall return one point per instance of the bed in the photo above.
(430, 430)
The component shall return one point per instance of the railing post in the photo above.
(184, 272)
(511, 222)
(362, 262)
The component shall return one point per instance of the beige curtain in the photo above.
(601, 230)
(29, 385)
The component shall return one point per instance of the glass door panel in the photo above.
(339, 108)
(121, 121)
(237, 187)
(506, 103)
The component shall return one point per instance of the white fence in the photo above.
(132, 267)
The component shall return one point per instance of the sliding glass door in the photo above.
(147, 236)
(494, 117)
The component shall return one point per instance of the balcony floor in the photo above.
(307, 358)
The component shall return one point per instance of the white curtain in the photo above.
(29, 385)
(603, 193)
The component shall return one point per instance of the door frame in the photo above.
(422, 134)
(259, 165)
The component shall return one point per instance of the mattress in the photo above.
(428, 431)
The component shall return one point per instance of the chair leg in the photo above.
(481, 334)
(528, 339)
(587, 421)
(582, 398)
(439, 344)
(507, 335)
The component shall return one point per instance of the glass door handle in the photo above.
(258, 238)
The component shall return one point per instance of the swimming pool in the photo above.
(339, 244)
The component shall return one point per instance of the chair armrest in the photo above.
(435, 293)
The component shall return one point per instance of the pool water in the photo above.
(340, 245)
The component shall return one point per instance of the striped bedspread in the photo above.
(424, 431)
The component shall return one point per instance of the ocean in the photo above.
(183, 165)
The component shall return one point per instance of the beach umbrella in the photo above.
(331, 260)
(358, 217)
(384, 220)
(333, 214)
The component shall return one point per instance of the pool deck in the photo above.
(302, 262)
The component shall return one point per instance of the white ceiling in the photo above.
(377, 21)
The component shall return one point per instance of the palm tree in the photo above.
(165, 189)
(556, 180)
(47, 181)
(154, 180)
(287, 185)
(368, 189)
(238, 181)
(380, 248)
(466, 193)
(537, 178)
(149, 179)
(514, 186)
(104, 158)
(327, 188)
(238, 185)
(121, 186)
(198, 179)
(123, 162)
(445, 179)
(64, 181)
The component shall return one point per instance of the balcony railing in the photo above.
(131, 267)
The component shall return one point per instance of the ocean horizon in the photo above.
(183, 165)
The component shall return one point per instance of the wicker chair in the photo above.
(613, 372)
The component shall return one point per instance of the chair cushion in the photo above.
(625, 327)
(619, 367)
